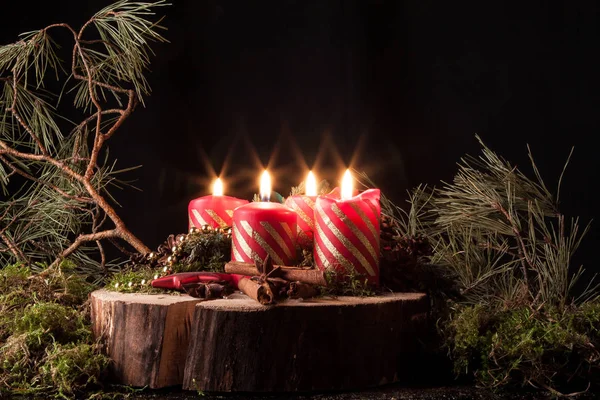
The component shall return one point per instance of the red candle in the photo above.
(264, 228)
(215, 210)
(304, 206)
(347, 231)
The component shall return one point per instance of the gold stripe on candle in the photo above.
(277, 237)
(230, 213)
(365, 219)
(288, 231)
(199, 218)
(256, 236)
(236, 254)
(216, 217)
(361, 236)
(344, 240)
(310, 202)
(335, 252)
(302, 214)
(324, 260)
(243, 244)
(247, 228)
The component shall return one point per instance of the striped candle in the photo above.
(347, 233)
(304, 207)
(215, 211)
(263, 228)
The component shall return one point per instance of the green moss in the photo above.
(207, 250)
(53, 285)
(45, 334)
(134, 281)
(54, 322)
(12, 277)
(15, 361)
(522, 346)
(72, 367)
(12, 304)
(350, 283)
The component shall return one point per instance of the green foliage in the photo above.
(349, 283)
(13, 277)
(552, 349)
(67, 368)
(47, 322)
(502, 235)
(200, 250)
(134, 280)
(46, 344)
(207, 250)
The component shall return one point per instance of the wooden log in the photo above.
(146, 336)
(238, 345)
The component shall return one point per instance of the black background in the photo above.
(396, 89)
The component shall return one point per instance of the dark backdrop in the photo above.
(396, 89)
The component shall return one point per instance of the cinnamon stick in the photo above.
(300, 290)
(257, 291)
(208, 291)
(310, 276)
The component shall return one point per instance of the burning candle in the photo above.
(215, 210)
(264, 228)
(347, 231)
(304, 206)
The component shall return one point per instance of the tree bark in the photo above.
(146, 336)
(238, 345)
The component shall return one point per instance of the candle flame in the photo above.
(311, 184)
(218, 187)
(265, 186)
(347, 186)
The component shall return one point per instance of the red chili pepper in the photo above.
(177, 281)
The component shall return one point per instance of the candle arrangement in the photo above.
(340, 232)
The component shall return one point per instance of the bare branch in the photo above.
(91, 237)
(17, 252)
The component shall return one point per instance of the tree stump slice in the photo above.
(146, 336)
(238, 345)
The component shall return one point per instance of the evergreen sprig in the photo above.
(493, 220)
(65, 207)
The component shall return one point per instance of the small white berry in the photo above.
(130, 283)
(143, 281)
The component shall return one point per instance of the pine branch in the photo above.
(34, 148)
(500, 202)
